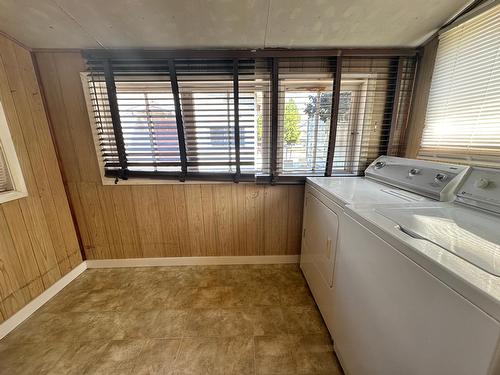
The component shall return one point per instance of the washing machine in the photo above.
(418, 285)
(388, 180)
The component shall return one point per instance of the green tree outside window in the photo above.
(291, 123)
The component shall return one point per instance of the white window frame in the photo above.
(13, 167)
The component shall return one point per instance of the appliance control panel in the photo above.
(481, 188)
(431, 179)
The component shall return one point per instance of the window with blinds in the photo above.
(304, 113)
(374, 101)
(270, 119)
(463, 114)
(207, 90)
(5, 180)
(12, 184)
(142, 93)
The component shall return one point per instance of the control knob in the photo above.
(440, 177)
(481, 183)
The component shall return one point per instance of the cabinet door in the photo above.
(320, 237)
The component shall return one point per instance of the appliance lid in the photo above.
(360, 190)
(471, 234)
(431, 179)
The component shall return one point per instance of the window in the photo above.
(12, 184)
(463, 114)
(266, 119)
(373, 108)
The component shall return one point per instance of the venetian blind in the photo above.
(463, 113)
(270, 119)
(304, 114)
(146, 115)
(5, 181)
(373, 106)
(207, 90)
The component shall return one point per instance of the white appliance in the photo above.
(418, 286)
(389, 180)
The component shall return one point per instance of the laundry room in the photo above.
(250, 187)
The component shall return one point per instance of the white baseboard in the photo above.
(192, 261)
(23, 314)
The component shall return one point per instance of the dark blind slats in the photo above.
(283, 126)
(207, 95)
(369, 87)
(5, 181)
(304, 111)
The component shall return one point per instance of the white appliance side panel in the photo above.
(318, 249)
(393, 317)
(321, 230)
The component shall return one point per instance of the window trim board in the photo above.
(14, 168)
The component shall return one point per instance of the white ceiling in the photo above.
(223, 23)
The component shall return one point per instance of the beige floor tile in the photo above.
(196, 356)
(268, 321)
(67, 300)
(259, 295)
(157, 357)
(103, 326)
(102, 300)
(119, 357)
(235, 355)
(295, 354)
(313, 354)
(52, 327)
(96, 279)
(78, 357)
(242, 276)
(144, 300)
(296, 296)
(215, 355)
(135, 324)
(273, 355)
(218, 322)
(304, 320)
(218, 297)
(30, 358)
(170, 323)
(182, 298)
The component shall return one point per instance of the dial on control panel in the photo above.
(414, 171)
(440, 177)
(481, 183)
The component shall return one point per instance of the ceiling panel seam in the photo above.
(267, 22)
(78, 23)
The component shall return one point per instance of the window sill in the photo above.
(12, 195)
(107, 181)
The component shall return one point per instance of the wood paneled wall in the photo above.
(159, 220)
(38, 243)
(420, 97)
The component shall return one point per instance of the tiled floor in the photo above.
(176, 320)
